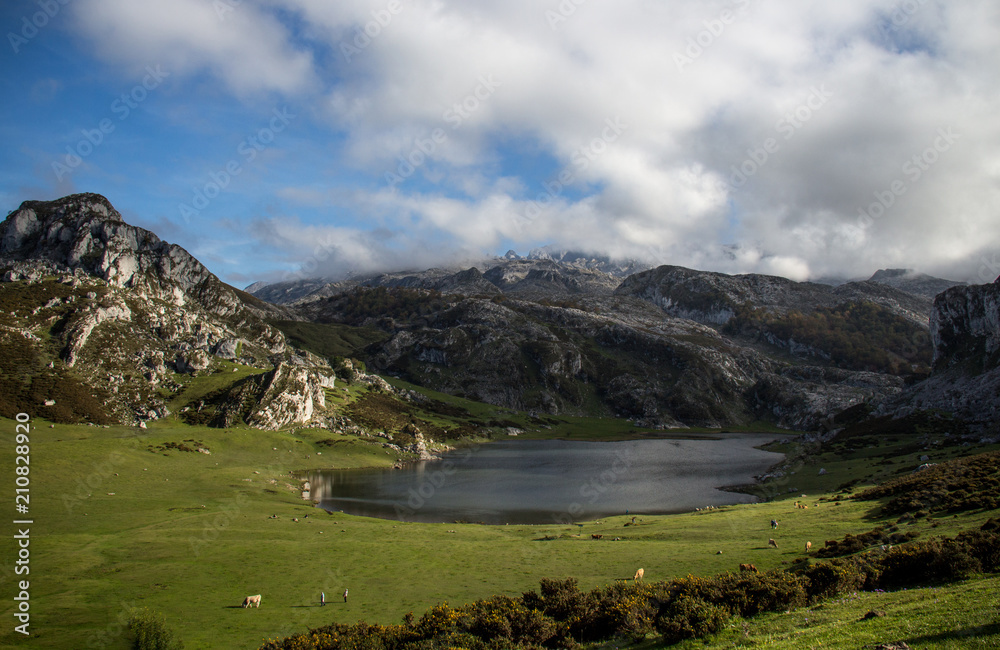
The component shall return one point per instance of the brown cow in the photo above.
(772, 543)
(748, 567)
(809, 545)
(638, 575)
(251, 600)
(596, 536)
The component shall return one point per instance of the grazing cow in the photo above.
(774, 524)
(596, 536)
(772, 543)
(809, 545)
(638, 575)
(249, 601)
(748, 568)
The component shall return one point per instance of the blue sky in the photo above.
(288, 138)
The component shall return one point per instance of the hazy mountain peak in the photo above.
(911, 281)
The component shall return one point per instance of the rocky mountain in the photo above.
(592, 352)
(619, 268)
(103, 321)
(716, 298)
(666, 347)
(532, 278)
(965, 327)
(918, 284)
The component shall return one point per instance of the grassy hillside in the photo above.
(123, 517)
(143, 515)
(329, 340)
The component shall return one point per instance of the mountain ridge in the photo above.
(127, 316)
(95, 304)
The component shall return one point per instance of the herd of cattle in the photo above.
(251, 601)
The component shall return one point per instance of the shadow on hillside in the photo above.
(955, 635)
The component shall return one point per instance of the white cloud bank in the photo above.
(812, 138)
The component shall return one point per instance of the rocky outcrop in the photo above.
(116, 313)
(965, 328)
(802, 397)
(88, 320)
(84, 232)
(288, 395)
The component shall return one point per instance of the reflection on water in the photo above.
(534, 481)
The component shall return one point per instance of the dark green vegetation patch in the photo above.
(854, 335)
(851, 544)
(329, 340)
(955, 486)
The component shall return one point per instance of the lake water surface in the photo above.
(546, 481)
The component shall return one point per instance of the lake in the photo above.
(552, 481)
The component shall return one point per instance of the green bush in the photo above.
(620, 609)
(984, 545)
(690, 617)
(831, 578)
(854, 543)
(503, 617)
(560, 599)
(148, 631)
(928, 562)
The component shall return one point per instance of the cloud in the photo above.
(239, 43)
(764, 128)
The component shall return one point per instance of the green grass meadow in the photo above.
(123, 520)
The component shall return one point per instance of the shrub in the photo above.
(690, 617)
(954, 486)
(503, 617)
(984, 545)
(930, 561)
(619, 610)
(148, 631)
(854, 543)
(832, 578)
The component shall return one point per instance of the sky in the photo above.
(284, 139)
